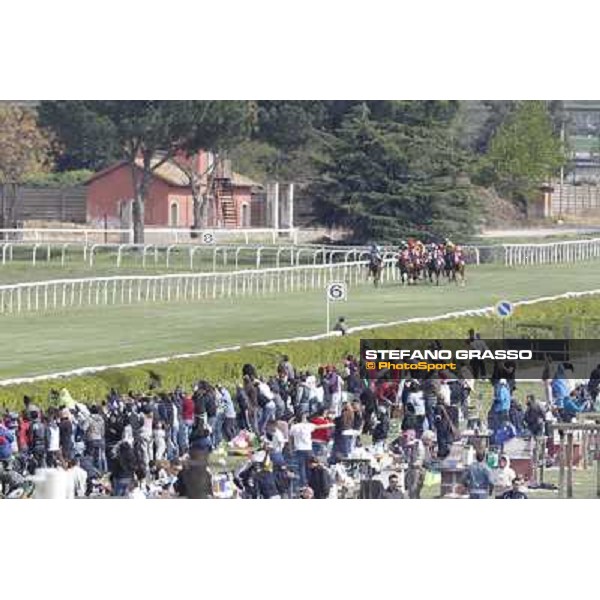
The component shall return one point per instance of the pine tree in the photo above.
(395, 177)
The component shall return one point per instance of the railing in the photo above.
(86, 235)
(196, 257)
(102, 291)
(554, 253)
(218, 257)
(162, 236)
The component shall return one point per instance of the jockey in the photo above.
(375, 254)
(449, 246)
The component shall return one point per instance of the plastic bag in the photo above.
(432, 479)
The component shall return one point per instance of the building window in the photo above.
(245, 215)
(174, 215)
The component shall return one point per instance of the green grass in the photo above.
(43, 343)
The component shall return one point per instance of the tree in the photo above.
(225, 124)
(24, 152)
(524, 152)
(395, 176)
(148, 133)
(85, 139)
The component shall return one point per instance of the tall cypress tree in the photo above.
(395, 176)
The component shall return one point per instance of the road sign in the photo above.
(504, 309)
(336, 291)
(208, 237)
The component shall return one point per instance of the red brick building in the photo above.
(169, 200)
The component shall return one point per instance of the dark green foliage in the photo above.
(396, 174)
(85, 138)
(59, 180)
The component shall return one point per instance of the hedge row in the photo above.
(225, 367)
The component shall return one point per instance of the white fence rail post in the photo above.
(123, 289)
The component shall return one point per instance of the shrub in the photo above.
(226, 367)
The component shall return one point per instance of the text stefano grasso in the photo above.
(500, 354)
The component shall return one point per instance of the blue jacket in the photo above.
(502, 398)
(560, 389)
(7, 437)
(570, 405)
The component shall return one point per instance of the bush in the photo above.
(226, 367)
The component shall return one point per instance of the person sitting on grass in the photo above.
(341, 326)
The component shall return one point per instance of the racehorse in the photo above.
(407, 267)
(454, 267)
(435, 266)
(375, 268)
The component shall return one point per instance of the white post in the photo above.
(291, 209)
(275, 206)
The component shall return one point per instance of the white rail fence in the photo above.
(63, 294)
(553, 253)
(192, 257)
(219, 257)
(158, 235)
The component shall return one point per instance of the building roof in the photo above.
(243, 181)
(172, 174)
(168, 172)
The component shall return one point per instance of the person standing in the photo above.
(501, 405)
(301, 437)
(94, 427)
(160, 441)
(187, 421)
(286, 367)
(319, 479)
(7, 437)
(478, 478)
(594, 383)
(52, 443)
(241, 399)
(418, 453)
(334, 388)
(477, 365)
(266, 402)
(37, 439)
(229, 415)
(320, 437)
(124, 468)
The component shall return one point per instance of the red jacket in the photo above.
(321, 435)
(23, 434)
(187, 409)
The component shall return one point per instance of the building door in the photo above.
(245, 215)
(174, 215)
